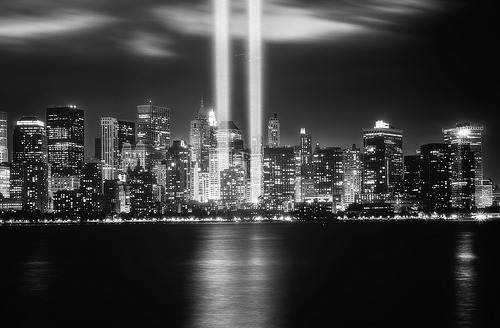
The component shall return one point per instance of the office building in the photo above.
(412, 182)
(383, 162)
(278, 177)
(353, 175)
(328, 171)
(109, 147)
(65, 138)
(4, 150)
(153, 126)
(435, 175)
(464, 142)
(273, 132)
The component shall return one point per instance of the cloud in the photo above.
(22, 28)
(150, 45)
(280, 22)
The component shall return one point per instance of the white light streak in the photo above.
(255, 95)
(222, 59)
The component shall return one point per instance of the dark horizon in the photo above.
(333, 68)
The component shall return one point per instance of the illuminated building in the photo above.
(353, 175)
(199, 138)
(484, 194)
(412, 182)
(67, 201)
(305, 153)
(178, 174)
(4, 150)
(109, 147)
(4, 180)
(65, 135)
(30, 171)
(213, 174)
(126, 133)
(232, 187)
(464, 142)
(91, 186)
(328, 171)
(435, 174)
(273, 131)
(383, 161)
(279, 177)
(141, 192)
(153, 126)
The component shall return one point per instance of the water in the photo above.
(349, 274)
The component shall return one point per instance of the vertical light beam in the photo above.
(255, 96)
(222, 60)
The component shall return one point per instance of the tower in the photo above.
(464, 143)
(109, 147)
(4, 151)
(30, 170)
(65, 134)
(383, 161)
(153, 126)
(273, 131)
(353, 174)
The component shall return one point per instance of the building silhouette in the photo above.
(273, 132)
(464, 142)
(383, 162)
(65, 137)
(435, 174)
(30, 170)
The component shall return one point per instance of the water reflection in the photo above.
(465, 280)
(235, 280)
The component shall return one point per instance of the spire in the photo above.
(202, 111)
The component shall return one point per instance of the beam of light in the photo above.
(255, 96)
(222, 60)
(222, 64)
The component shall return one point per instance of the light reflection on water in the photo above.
(234, 280)
(465, 280)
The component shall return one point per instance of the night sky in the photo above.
(333, 67)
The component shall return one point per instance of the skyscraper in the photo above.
(178, 174)
(305, 153)
(464, 142)
(435, 174)
(109, 147)
(153, 126)
(328, 171)
(273, 131)
(279, 177)
(383, 161)
(353, 175)
(199, 138)
(412, 181)
(4, 151)
(65, 134)
(29, 171)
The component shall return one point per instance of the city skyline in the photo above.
(345, 66)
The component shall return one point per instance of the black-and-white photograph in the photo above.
(249, 163)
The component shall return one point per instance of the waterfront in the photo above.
(286, 274)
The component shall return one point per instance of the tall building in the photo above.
(30, 170)
(383, 161)
(4, 180)
(109, 147)
(464, 142)
(353, 175)
(65, 134)
(278, 177)
(91, 187)
(153, 126)
(273, 132)
(178, 174)
(4, 151)
(328, 171)
(412, 182)
(199, 138)
(229, 141)
(305, 153)
(435, 174)
(126, 133)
